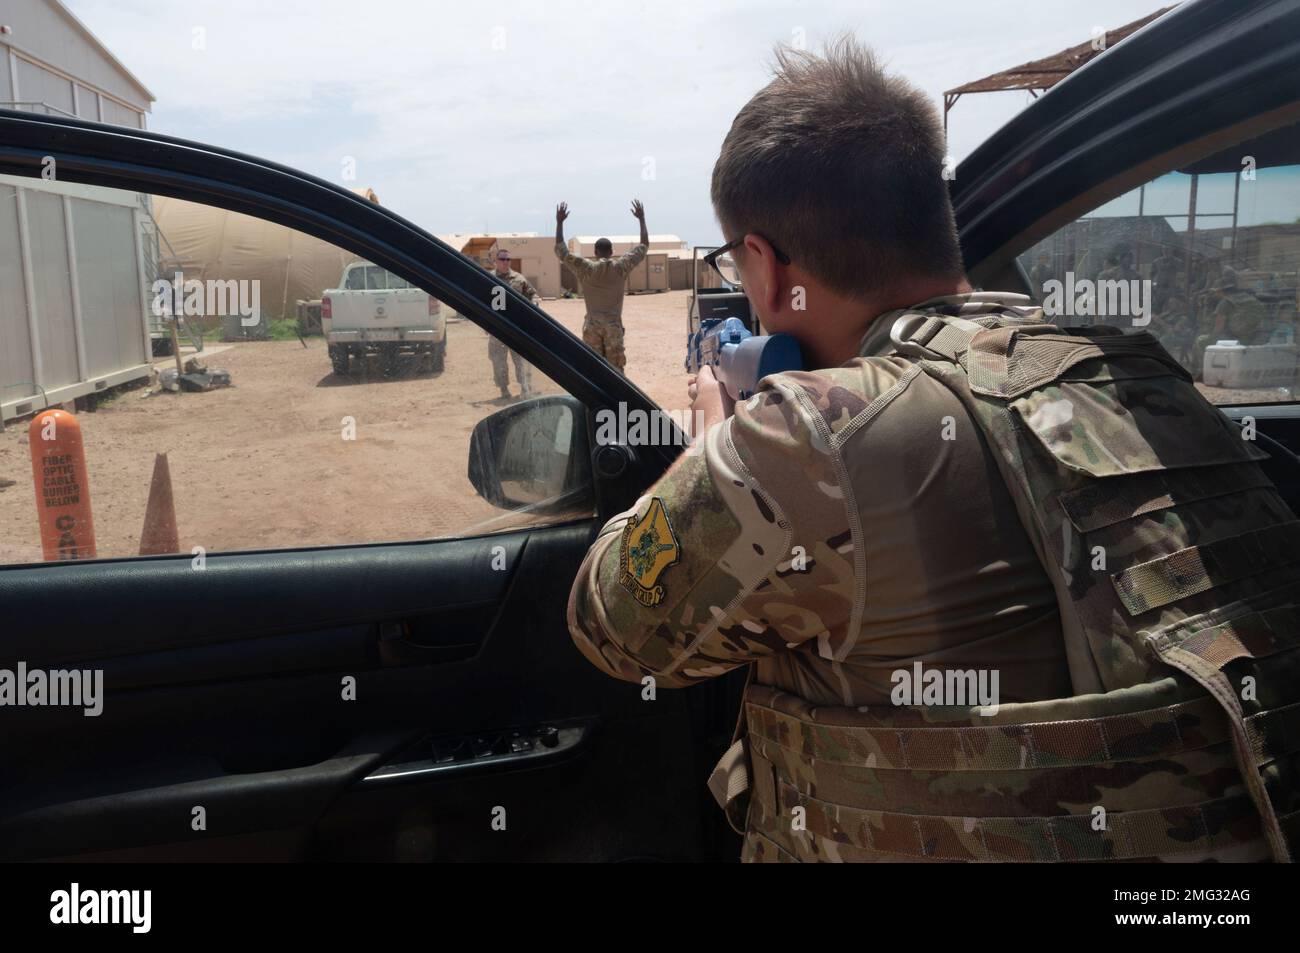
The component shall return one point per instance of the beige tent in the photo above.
(211, 243)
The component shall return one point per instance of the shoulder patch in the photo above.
(649, 547)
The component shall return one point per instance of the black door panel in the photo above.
(241, 728)
(295, 591)
(140, 807)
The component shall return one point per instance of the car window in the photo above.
(301, 414)
(1204, 256)
(395, 282)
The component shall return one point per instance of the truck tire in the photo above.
(438, 357)
(339, 358)
(388, 360)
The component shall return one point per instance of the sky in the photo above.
(480, 117)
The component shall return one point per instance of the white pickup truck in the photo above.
(375, 312)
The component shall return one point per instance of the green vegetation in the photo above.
(282, 329)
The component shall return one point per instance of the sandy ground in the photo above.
(263, 464)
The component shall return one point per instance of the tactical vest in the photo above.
(1247, 318)
(1176, 567)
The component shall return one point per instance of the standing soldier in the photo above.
(603, 283)
(1005, 591)
(496, 350)
(1039, 275)
(1237, 316)
(1164, 274)
(1240, 315)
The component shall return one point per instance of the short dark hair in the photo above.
(842, 168)
(604, 246)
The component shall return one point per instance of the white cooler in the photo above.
(1229, 364)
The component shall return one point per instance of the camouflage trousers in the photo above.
(497, 353)
(605, 337)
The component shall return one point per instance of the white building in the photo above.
(585, 245)
(50, 62)
(76, 260)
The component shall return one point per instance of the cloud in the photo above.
(444, 104)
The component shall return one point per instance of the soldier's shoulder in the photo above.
(830, 399)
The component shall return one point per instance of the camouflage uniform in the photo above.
(1164, 276)
(1243, 315)
(497, 351)
(1238, 316)
(846, 524)
(1039, 276)
(603, 281)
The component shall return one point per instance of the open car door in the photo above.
(355, 646)
(1169, 165)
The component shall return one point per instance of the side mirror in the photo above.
(533, 456)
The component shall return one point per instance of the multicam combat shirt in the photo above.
(843, 524)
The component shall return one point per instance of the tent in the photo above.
(204, 242)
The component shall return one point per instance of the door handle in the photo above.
(397, 646)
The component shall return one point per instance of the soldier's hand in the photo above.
(562, 211)
(638, 210)
(710, 402)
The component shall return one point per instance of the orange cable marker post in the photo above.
(62, 486)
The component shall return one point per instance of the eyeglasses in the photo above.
(724, 263)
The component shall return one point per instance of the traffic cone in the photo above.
(159, 535)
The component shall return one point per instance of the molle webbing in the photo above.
(1195, 569)
(1262, 740)
(880, 784)
(1168, 549)
(1097, 505)
(1256, 635)
(974, 746)
(1197, 829)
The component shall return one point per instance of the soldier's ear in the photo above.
(762, 277)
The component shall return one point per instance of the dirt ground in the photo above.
(264, 465)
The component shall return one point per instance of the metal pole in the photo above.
(1236, 199)
(1137, 251)
(176, 347)
(1191, 237)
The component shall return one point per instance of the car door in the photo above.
(1173, 160)
(351, 641)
